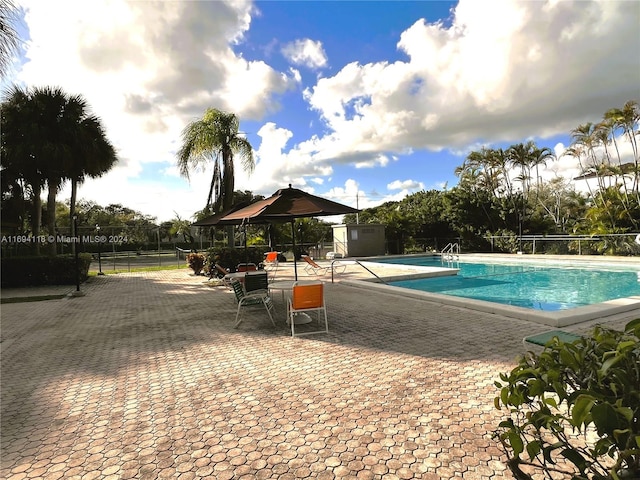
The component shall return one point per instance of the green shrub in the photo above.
(574, 409)
(231, 257)
(31, 271)
(507, 242)
(196, 262)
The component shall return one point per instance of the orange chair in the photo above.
(312, 268)
(271, 263)
(307, 297)
(246, 267)
(271, 258)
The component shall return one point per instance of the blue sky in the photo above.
(362, 102)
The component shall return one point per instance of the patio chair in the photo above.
(271, 258)
(541, 339)
(312, 268)
(255, 282)
(307, 297)
(218, 271)
(271, 263)
(250, 299)
(246, 267)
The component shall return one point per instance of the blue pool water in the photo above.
(530, 286)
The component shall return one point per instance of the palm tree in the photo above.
(540, 156)
(499, 161)
(9, 40)
(18, 159)
(48, 137)
(215, 137)
(92, 156)
(521, 156)
(586, 137)
(58, 120)
(627, 118)
(181, 227)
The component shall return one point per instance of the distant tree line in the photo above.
(501, 193)
(48, 137)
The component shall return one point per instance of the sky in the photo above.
(362, 102)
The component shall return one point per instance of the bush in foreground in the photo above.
(574, 409)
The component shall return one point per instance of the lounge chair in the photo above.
(250, 299)
(246, 267)
(219, 272)
(307, 297)
(224, 275)
(312, 268)
(542, 339)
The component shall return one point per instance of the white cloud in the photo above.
(379, 160)
(501, 72)
(405, 185)
(147, 69)
(305, 52)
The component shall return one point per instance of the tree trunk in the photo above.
(36, 217)
(228, 184)
(51, 215)
(72, 212)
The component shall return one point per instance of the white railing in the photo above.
(451, 252)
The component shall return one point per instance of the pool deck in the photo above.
(144, 377)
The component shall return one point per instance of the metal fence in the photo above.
(619, 244)
(124, 249)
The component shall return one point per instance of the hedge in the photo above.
(44, 270)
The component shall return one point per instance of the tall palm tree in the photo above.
(520, 156)
(49, 138)
(92, 156)
(499, 161)
(9, 39)
(586, 137)
(540, 156)
(19, 135)
(215, 137)
(627, 118)
(58, 120)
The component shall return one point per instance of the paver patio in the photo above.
(144, 377)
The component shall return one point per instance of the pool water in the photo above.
(530, 286)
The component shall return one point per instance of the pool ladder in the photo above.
(451, 252)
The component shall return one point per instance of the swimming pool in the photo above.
(524, 285)
(556, 291)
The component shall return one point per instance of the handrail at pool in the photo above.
(358, 263)
(451, 251)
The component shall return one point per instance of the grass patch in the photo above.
(37, 298)
(140, 269)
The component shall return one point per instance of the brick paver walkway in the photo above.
(144, 377)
